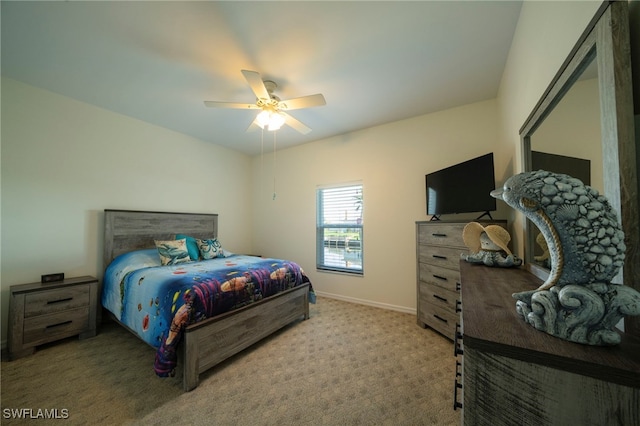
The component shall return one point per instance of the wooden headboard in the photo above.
(127, 230)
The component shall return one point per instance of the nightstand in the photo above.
(42, 313)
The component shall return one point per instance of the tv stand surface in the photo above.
(436, 217)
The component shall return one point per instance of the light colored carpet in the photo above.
(348, 364)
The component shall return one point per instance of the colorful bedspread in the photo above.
(157, 302)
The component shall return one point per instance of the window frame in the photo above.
(322, 265)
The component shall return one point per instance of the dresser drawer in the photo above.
(442, 277)
(445, 257)
(56, 300)
(440, 319)
(47, 328)
(442, 234)
(438, 296)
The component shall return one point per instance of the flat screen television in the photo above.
(462, 188)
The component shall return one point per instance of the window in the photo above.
(339, 229)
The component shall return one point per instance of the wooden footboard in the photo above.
(210, 342)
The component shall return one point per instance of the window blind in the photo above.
(339, 229)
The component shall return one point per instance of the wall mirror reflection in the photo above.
(569, 141)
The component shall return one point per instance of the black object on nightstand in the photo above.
(45, 312)
(51, 278)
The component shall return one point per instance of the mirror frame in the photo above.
(606, 39)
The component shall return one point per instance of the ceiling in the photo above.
(374, 62)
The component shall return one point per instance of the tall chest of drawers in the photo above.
(438, 248)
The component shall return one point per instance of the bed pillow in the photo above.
(192, 246)
(131, 261)
(138, 259)
(173, 252)
(210, 249)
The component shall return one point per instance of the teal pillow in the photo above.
(210, 249)
(192, 246)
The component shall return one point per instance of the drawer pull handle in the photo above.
(53, 302)
(60, 324)
(458, 367)
(456, 345)
(440, 298)
(456, 404)
(457, 350)
(439, 235)
(440, 318)
(458, 285)
(440, 277)
(458, 306)
(437, 256)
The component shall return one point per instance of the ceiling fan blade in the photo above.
(253, 126)
(302, 102)
(290, 121)
(256, 83)
(235, 105)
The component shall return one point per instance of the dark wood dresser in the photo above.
(513, 374)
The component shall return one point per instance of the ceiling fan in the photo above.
(273, 114)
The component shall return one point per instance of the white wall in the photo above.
(391, 160)
(64, 162)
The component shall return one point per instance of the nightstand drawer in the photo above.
(442, 277)
(441, 256)
(444, 234)
(56, 300)
(47, 328)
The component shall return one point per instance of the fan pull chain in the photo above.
(261, 160)
(274, 165)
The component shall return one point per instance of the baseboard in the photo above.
(388, 306)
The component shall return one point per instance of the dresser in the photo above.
(42, 313)
(509, 373)
(438, 248)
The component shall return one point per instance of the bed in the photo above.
(209, 309)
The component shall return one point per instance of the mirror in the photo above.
(568, 141)
(583, 126)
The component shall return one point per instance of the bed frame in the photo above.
(209, 342)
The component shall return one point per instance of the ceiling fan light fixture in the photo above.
(272, 120)
(272, 110)
(276, 121)
(263, 118)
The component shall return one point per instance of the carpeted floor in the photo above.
(348, 364)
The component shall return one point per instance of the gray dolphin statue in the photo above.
(577, 302)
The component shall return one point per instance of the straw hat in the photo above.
(473, 233)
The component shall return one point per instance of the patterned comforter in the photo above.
(157, 302)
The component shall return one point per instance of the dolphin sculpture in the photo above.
(577, 301)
